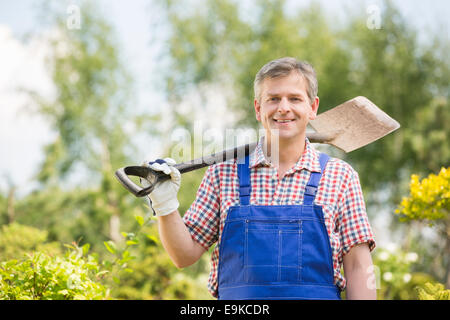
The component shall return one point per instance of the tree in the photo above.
(390, 67)
(89, 113)
(216, 46)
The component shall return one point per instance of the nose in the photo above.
(283, 106)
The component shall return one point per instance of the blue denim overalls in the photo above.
(276, 252)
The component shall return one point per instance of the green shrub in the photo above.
(16, 240)
(396, 274)
(43, 277)
(432, 291)
(151, 275)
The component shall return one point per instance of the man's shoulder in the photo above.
(338, 166)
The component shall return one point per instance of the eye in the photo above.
(274, 99)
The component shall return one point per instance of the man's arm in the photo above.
(358, 271)
(177, 240)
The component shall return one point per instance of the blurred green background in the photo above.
(87, 87)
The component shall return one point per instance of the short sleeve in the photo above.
(203, 216)
(354, 226)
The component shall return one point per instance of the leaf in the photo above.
(132, 242)
(140, 220)
(86, 248)
(101, 273)
(152, 238)
(110, 246)
(69, 246)
(126, 254)
(107, 264)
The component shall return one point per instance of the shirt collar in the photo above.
(309, 160)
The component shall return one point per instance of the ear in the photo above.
(257, 109)
(314, 108)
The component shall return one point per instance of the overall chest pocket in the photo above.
(272, 251)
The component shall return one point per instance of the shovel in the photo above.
(349, 126)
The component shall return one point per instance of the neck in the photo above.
(289, 150)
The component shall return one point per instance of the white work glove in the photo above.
(163, 198)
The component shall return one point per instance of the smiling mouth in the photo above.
(283, 121)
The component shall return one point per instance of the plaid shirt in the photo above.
(339, 194)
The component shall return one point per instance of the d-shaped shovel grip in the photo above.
(153, 177)
(142, 172)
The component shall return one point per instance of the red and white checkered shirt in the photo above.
(339, 194)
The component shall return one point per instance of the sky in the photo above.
(23, 133)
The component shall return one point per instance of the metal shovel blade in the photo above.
(354, 124)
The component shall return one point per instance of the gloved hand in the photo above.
(163, 198)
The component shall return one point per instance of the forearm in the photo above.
(359, 284)
(177, 240)
(358, 271)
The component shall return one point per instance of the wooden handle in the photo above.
(156, 176)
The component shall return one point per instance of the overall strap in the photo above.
(313, 183)
(245, 187)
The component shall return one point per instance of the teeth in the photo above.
(284, 120)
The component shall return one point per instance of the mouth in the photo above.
(283, 120)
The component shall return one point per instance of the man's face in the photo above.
(284, 105)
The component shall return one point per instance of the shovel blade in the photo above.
(354, 124)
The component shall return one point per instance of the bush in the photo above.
(432, 291)
(396, 275)
(152, 275)
(43, 277)
(16, 240)
(429, 198)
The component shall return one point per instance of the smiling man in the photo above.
(283, 228)
(282, 102)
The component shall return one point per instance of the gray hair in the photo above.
(283, 67)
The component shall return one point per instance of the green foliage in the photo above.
(16, 240)
(429, 201)
(122, 251)
(141, 269)
(395, 274)
(44, 277)
(432, 291)
(211, 43)
(216, 44)
(92, 94)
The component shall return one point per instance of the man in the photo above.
(283, 228)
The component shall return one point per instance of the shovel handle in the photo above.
(153, 177)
